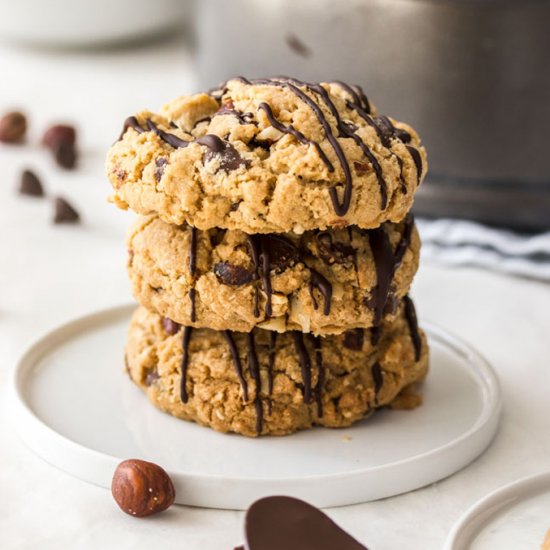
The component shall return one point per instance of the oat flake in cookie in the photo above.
(268, 156)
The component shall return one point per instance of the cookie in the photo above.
(267, 383)
(323, 282)
(268, 156)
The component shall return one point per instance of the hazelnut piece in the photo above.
(142, 488)
(13, 127)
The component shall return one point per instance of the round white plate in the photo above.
(76, 408)
(514, 516)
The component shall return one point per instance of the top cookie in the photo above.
(268, 156)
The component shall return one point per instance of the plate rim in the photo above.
(471, 522)
(29, 421)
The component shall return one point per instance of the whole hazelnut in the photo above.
(142, 488)
(59, 133)
(13, 127)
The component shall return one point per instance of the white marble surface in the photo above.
(49, 274)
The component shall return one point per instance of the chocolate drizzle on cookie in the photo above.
(185, 362)
(269, 252)
(347, 130)
(386, 262)
(340, 208)
(193, 271)
(410, 315)
(254, 369)
(296, 133)
(386, 131)
(358, 95)
(270, 365)
(320, 375)
(131, 122)
(417, 159)
(317, 281)
(236, 362)
(378, 378)
(305, 364)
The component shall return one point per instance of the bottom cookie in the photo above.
(303, 380)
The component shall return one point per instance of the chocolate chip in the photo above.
(169, 326)
(151, 378)
(30, 185)
(333, 252)
(160, 163)
(353, 339)
(230, 274)
(218, 148)
(387, 131)
(13, 127)
(226, 108)
(264, 144)
(361, 168)
(64, 212)
(216, 236)
(65, 155)
(59, 133)
(282, 252)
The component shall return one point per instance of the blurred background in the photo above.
(472, 76)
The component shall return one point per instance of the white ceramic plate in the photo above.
(515, 516)
(77, 409)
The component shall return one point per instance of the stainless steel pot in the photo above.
(473, 76)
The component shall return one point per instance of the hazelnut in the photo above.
(13, 127)
(142, 488)
(59, 133)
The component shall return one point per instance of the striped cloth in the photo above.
(459, 242)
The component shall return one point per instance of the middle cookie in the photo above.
(324, 282)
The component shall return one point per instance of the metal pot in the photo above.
(473, 76)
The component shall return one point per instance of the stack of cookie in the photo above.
(273, 256)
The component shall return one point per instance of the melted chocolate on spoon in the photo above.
(286, 523)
